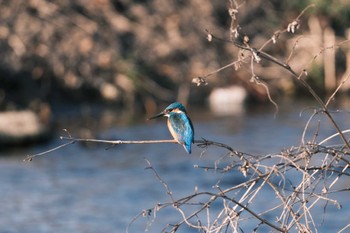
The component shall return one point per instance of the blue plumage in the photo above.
(179, 124)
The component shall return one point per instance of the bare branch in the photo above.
(113, 142)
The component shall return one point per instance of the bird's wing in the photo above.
(182, 126)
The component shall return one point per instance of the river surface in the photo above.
(88, 188)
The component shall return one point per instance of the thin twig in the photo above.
(113, 142)
(29, 158)
(336, 90)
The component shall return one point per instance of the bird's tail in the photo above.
(187, 147)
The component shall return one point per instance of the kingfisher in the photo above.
(179, 124)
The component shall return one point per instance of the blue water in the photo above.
(93, 189)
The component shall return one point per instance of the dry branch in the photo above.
(90, 140)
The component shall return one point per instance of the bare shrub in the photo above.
(303, 180)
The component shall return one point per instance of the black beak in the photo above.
(156, 116)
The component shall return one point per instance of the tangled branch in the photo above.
(298, 186)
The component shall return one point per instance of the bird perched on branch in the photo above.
(179, 124)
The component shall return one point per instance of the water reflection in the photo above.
(91, 189)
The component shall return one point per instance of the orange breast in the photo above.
(173, 133)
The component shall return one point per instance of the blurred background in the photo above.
(99, 68)
(135, 57)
